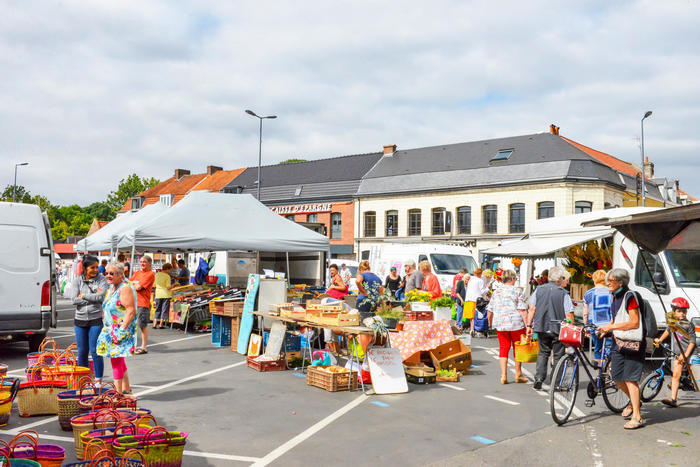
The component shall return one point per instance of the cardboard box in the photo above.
(295, 313)
(315, 305)
(452, 355)
(419, 373)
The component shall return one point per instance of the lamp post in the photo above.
(14, 187)
(250, 112)
(646, 115)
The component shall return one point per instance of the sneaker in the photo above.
(537, 385)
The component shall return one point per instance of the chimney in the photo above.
(179, 173)
(389, 149)
(212, 169)
(553, 129)
(648, 168)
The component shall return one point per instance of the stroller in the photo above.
(481, 318)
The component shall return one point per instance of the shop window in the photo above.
(517, 218)
(370, 224)
(291, 218)
(438, 221)
(336, 225)
(312, 218)
(464, 220)
(414, 220)
(583, 206)
(392, 223)
(490, 215)
(545, 209)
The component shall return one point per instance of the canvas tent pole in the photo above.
(288, 276)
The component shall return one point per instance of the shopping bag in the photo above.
(526, 350)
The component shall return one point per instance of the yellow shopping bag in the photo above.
(526, 350)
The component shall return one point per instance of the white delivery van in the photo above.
(445, 260)
(27, 274)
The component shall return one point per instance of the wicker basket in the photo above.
(94, 420)
(332, 382)
(160, 448)
(39, 397)
(265, 365)
(69, 401)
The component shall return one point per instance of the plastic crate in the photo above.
(292, 342)
(221, 331)
(332, 382)
(265, 365)
(418, 315)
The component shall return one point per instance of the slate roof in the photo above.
(328, 179)
(536, 158)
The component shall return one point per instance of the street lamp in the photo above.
(250, 112)
(14, 187)
(646, 115)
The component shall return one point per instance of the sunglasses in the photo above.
(107, 273)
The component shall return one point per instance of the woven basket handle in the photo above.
(36, 373)
(5, 449)
(71, 347)
(26, 438)
(106, 414)
(101, 456)
(155, 430)
(121, 426)
(69, 357)
(46, 342)
(85, 382)
(129, 454)
(145, 418)
(96, 443)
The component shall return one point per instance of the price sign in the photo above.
(387, 371)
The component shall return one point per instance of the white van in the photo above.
(445, 260)
(27, 274)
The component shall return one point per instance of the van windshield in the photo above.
(685, 267)
(451, 264)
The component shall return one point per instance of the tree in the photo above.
(100, 210)
(129, 187)
(22, 195)
(292, 161)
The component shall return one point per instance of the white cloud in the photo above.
(94, 91)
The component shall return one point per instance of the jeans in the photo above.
(597, 342)
(458, 314)
(86, 338)
(549, 344)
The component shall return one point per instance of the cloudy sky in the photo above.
(93, 91)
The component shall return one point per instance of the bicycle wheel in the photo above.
(562, 392)
(651, 386)
(614, 397)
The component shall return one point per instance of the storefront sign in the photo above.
(302, 208)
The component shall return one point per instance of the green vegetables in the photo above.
(441, 302)
(444, 373)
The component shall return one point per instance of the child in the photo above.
(679, 307)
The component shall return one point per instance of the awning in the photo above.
(546, 245)
(675, 228)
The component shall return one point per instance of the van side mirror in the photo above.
(660, 282)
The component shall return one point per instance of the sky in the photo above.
(94, 91)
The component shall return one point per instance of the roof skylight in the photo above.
(502, 155)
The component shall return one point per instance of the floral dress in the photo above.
(504, 305)
(112, 341)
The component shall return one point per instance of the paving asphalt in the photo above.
(235, 415)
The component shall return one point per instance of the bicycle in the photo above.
(565, 382)
(654, 381)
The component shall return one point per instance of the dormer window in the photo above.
(167, 199)
(297, 192)
(502, 155)
(136, 203)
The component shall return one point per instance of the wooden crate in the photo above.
(235, 328)
(295, 313)
(271, 365)
(332, 382)
(418, 315)
(315, 305)
(340, 319)
(233, 308)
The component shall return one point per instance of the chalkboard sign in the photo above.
(387, 371)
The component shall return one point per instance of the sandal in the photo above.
(140, 351)
(504, 380)
(670, 402)
(521, 379)
(634, 424)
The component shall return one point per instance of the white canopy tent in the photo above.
(141, 217)
(102, 239)
(205, 221)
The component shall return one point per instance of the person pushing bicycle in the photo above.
(679, 308)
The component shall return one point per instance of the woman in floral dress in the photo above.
(118, 337)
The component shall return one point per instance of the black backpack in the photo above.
(649, 326)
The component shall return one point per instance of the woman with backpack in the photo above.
(596, 309)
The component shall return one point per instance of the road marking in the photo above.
(451, 386)
(64, 320)
(483, 440)
(592, 441)
(141, 386)
(14, 431)
(209, 455)
(62, 335)
(309, 432)
(299, 375)
(177, 340)
(380, 404)
(189, 378)
(505, 401)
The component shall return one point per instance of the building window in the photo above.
(502, 155)
(517, 218)
(414, 222)
(583, 206)
(464, 220)
(438, 221)
(490, 215)
(291, 218)
(545, 209)
(370, 224)
(167, 200)
(312, 218)
(336, 225)
(392, 223)
(136, 203)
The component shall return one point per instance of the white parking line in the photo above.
(309, 432)
(189, 378)
(505, 401)
(456, 388)
(178, 340)
(14, 431)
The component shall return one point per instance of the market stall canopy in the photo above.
(675, 228)
(205, 221)
(101, 240)
(141, 217)
(547, 236)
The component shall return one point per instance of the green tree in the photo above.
(129, 187)
(292, 161)
(22, 195)
(100, 210)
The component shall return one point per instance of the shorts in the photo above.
(507, 339)
(143, 316)
(626, 367)
(469, 308)
(162, 308)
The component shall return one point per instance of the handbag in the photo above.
(631, 335)
(570, 335)
(526, 349)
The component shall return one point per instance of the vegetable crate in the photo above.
(332, 382)
(452, 355)
(265, 365)
(221, 331)
(419, 315)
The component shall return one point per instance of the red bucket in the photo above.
(212, 279)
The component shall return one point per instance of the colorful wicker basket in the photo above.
(160, 447)
(93, 420)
